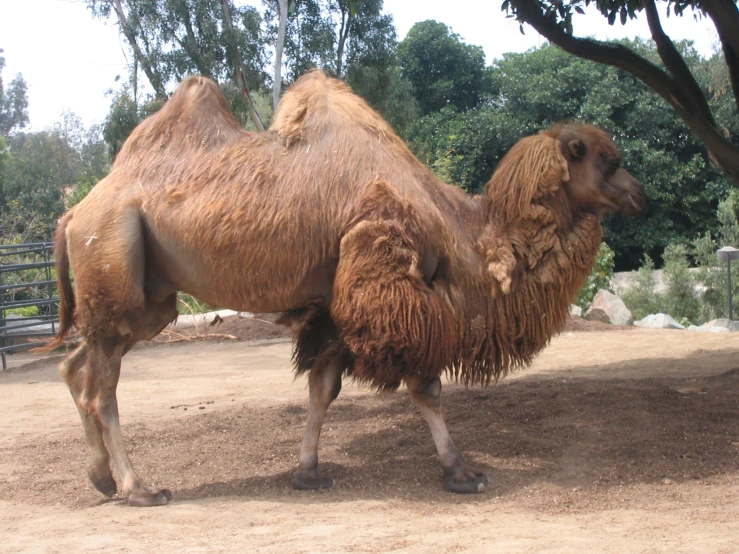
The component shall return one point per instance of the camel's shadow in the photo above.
(561, 433)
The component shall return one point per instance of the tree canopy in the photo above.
(671, 77)
(530, 91)
(13, 102)
(443, 70)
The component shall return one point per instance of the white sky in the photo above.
(69, 60)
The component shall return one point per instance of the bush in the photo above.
(188, 305)
(712, 274)
(28, 311)
(680, 299)
(641, 298)
(599, 278)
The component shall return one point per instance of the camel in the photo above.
(384, 273)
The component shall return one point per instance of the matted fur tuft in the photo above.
(393, 323)
(533, 168)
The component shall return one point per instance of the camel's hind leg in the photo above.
(99, 472)
(324, 382)
(458, 476)
(94, 391)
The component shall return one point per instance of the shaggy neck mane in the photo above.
(537, 255)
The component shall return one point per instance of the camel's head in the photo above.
(597, 183)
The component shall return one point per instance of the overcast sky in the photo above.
(69, 60)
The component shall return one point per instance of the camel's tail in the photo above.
(64, 283)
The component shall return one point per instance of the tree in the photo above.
(673, 79)
(333, 35)
(284, 7)
(532, 90)
(13, 103)
(350, 39)
(170, 39)
(40, 167)
(442, 69)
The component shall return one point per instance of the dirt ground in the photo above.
(615, 440)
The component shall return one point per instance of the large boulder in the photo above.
(659, 321)
(609, 308)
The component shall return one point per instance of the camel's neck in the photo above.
(532, 270)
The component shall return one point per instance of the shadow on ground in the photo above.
(567, 434)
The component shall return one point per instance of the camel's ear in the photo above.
(393, 323)
(577, 149)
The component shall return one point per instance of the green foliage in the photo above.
(712, 274)
(443, 70)
(530, 91)
(13, 103)
(28, 311)
(680, 298)
(19, 224)
(599, 278)
(641, 298)
(189, 305)
(176, 38)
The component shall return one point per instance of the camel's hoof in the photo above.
(103, 481)
(311, 481)
(144, 499)
(469, 483)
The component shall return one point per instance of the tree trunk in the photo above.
(346, 16)
(239, 78)
(154, 78)
(281, 28)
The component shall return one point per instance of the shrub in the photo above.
(599, 278)
(187, 305)
(641, 298)
(28, 311)
(680, 299)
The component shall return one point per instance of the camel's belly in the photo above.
(240, 277)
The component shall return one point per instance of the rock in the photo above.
(609, 308)
(659, 321)
(717, 326)
(729, 324)
(246, 315)
(575, 310)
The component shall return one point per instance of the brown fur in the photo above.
(231, 199)
(382, 270)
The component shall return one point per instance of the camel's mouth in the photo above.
(629, 197)
(633, 205)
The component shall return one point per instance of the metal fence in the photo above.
(26, 280)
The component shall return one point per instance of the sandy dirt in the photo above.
(614, 441)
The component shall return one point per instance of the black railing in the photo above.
(26, 280)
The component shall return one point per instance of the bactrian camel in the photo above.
(384, 272)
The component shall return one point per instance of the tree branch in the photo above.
(190, 44)
(722, 151)
(725, 16)
(281, 28)
(674, 62)
(238, 73)
(154, 79)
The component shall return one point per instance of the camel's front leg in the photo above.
(324, 382)
(458, 476)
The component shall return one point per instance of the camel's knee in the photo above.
(325, 381)
(425, 391)
(71, 364)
